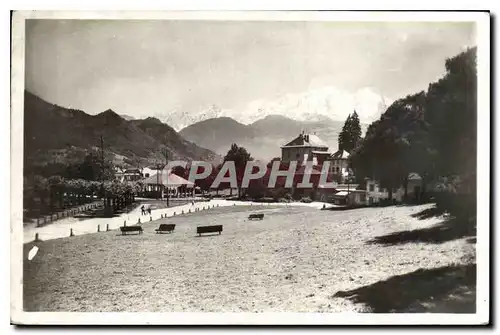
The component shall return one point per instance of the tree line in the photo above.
(57, 186)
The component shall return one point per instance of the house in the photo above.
(149, 171)
(126, 175)
(132, 174)
(304, 147)
(119, 173)
(375, 193)
(350, 198)
(339, 162)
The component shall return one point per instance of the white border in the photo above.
(483, 247)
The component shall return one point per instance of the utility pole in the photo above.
(157, 180)
(168, 173)
(102, 192)
(102, 158)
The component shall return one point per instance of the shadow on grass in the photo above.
(448, 230)
(449, 289)
(428, 213)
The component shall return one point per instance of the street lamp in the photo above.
(168, 173)
(158, 179)
(347, 175)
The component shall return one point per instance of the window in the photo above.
(372, 187)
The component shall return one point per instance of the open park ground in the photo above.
(298, 259)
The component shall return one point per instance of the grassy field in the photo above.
(297, 259)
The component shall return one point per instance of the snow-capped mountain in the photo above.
(179, 119)
(315, 105)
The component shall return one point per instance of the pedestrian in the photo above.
(142, 210)
(149, 210)
(192, 202)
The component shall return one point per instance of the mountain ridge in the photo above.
(52, 128)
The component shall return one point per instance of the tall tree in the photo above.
(350, 136)
(240, 156)
(344, 134)
(393, 144)
(354, 132)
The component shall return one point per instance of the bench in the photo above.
(208, 229)
(256, 216)
(169, 228)
(127, 229)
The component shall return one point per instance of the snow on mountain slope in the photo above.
(313, 105)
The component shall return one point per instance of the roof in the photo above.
(322, 186)
(341, 193)
(317, 152)
(341, 154)
(173, 180)
(132, 170)
(306, 140)
(414, 176)
(350, 187)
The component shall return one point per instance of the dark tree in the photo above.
(240, 156)
(350, 135)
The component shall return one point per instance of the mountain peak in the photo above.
(109, 113)
(152, 120)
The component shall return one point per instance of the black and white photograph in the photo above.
(250, 167)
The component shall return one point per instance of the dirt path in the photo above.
(61, 228)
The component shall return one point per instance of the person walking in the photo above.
(142, 210)
(149, 210)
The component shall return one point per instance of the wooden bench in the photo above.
(128, 229)
(165, 228)
(208, 229)
(256, 216)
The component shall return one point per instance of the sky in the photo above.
(180, 71)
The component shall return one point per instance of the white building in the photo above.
(339, 162)
(132, 174)
(375, 193)
(148, 172)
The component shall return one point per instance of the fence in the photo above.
(71, 230)
(40, 221)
